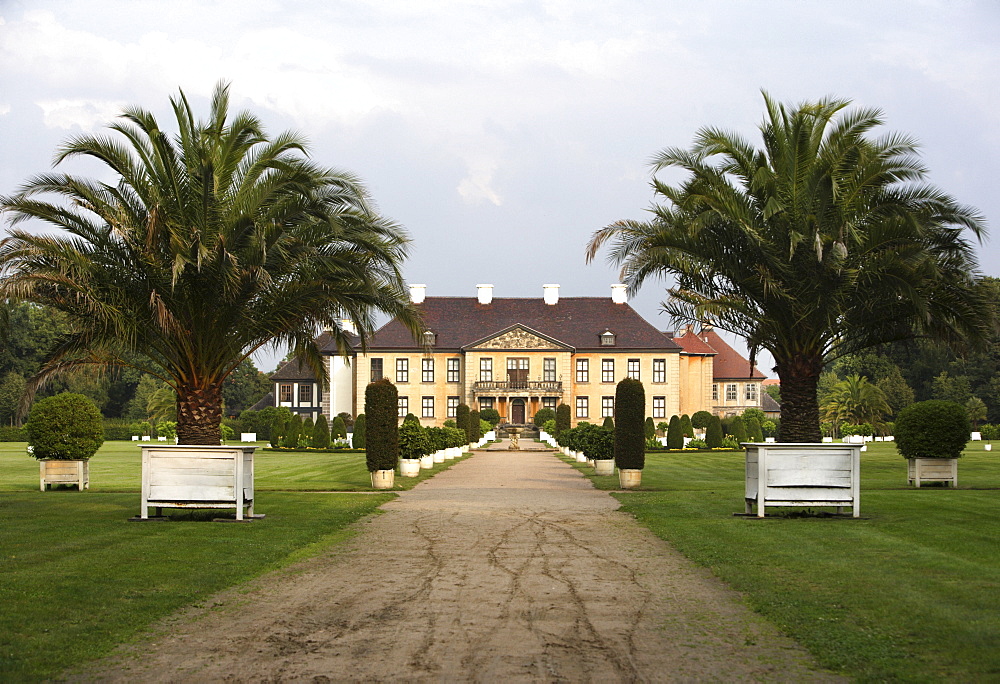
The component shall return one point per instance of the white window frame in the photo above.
(750, 392)
(607, 370)
(659, 370)
(634, 368)
(732, 392)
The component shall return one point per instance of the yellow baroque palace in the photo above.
(518, 355)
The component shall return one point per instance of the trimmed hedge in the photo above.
(563, 418)
(66, 426)
(543, 416)
(381, 410)
(932, 429)
(630, 426)
(358, 440)
(321, 433)
(713, 433)
(10, 433)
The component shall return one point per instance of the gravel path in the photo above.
(509, 566)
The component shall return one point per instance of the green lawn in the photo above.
(910, 592)
(79, 578)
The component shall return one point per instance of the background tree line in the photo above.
(33, 331)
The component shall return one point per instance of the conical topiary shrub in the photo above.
(630, 432)
(321, 433)
(359, 438)
(713, 433)
(382, 439)
(675, 438)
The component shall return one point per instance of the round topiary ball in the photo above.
(932, 429)
(65, 427)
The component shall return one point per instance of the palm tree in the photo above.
(823, 242)
(207, 246)
(855, 400)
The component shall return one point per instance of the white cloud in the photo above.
(84, 114)
(4, 108)
(477, 187)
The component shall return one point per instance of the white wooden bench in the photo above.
(184, 476)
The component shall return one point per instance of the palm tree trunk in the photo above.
(199, 414)
(799, 376)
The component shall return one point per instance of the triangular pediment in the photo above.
(518, 337)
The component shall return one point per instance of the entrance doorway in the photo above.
(517, 411)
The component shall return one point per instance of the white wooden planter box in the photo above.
(187, 476)
(53, 471)
(932, 470)
(802, 475)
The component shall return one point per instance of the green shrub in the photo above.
(543, 416)
(550, 427)
(649, 429)
(700, 419)
(663, 427)
(348, 421)
(697, 444)
(609, 423)
(989, 431)
(598, 443)
(475, 429)
(114, 429)
(490, 415)
(168, 429)
(563, 418)
(456, 438)
(713, 433)
(437, 437)
(484, 427)
(730, 442)
(293, 431)
(687, 429)
(321, 433)
(226, 432)
(462, 419)
(932, 429)
(277, 431)
(381, 410)
(738, 429)
(754, 433)
(10, 433)
(338, 430)
(630, 433)
(306, 435)
(358, 441)
(413, 440)
(675, 438)
(66, 426)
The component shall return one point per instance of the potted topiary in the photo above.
(598, 444)
(414, 447)
(382, 432)
(630, 432)
(64, 431)
(931, 436)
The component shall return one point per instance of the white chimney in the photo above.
(347, 325)
(551, 294)
(485, 293)
(618, 294)
(417, 293)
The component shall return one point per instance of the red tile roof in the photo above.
(575, 321)
(692, 344)
(728, 363)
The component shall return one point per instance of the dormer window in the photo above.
(607, 339)
(429, 338)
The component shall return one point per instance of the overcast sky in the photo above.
(502, 133)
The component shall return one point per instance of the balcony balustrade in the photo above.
(518, 387)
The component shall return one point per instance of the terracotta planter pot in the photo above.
(409, 467)
(629, 478)
(383, 479)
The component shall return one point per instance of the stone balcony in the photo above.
(518, 388)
